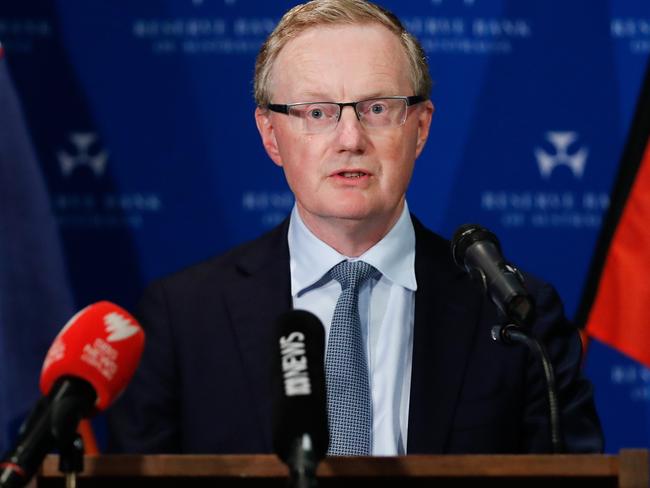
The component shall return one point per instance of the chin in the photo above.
(349, 210)
(352, 210)
(357, 213)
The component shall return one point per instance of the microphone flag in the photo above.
(34, 295)
(615, 305)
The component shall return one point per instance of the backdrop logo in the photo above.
(83, 155)
(89, 198)
(556, 203)
(561, 156)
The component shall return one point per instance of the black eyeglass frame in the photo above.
(284, 108)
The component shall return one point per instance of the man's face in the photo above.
(352, 172)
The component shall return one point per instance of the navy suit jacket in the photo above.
(203, 385)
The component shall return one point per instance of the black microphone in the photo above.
(477, 251)
(53, 422)
(300, 433)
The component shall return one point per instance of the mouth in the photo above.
(351, 174)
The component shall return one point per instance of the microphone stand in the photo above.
(302, 464)
(71, 460)
(76, 401)
(511, 334)
(477, 251)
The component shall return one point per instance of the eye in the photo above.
(377, 109)
(316, 113)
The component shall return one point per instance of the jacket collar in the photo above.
(446, 317)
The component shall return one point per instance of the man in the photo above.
(342, 93)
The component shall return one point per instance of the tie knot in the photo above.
(352, 274)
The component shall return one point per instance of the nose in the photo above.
(350, 134)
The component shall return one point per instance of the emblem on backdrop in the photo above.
(85, 152)
(103, 205)
(558, 204)
(561, 155)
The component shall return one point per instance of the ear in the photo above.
(267, 133)
(424, 123)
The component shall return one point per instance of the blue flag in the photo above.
(35, 300)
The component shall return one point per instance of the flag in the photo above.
(616, 302)
(35, 300)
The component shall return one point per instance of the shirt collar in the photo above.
(311, 258)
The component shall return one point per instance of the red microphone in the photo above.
(101, 344)
(89, 364)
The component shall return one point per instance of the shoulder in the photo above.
(200, 283)
(435, 265)
(240, 260)
(432, 246)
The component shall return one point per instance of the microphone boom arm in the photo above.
(510, 334)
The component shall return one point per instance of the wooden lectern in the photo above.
(629, 469)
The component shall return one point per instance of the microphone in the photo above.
(300, 433)
(477, 251)
(88, 365)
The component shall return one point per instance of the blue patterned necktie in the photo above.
(349, 402)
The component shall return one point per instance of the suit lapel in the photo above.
(446, 315)
(259, 294)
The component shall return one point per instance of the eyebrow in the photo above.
(319, 97)
(313, 96)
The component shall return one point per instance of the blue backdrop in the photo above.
(142, 118)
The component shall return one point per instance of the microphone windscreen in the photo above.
(101, 344)
(299, 405)
(465, 236)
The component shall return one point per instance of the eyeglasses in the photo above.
(317, 117)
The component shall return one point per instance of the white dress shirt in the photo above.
(386, 310)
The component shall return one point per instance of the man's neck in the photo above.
(350, 237)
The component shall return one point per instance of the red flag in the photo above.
(616, 302)
(620, 316)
